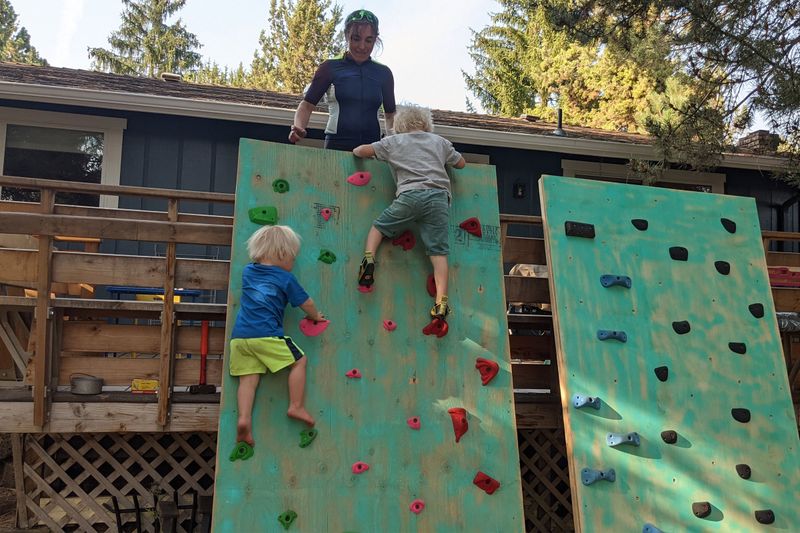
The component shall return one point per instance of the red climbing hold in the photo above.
(438, 327)
(417, 506)
(360, 467)
(406, 240)
(389, 325)
(473, 226)
(431, 286)
(355, 373)
(311, 328)
(365, 289)
(459, 416)
(488, 369)
(326, 213)
(413, 422)
(486, 483)
(359, 179)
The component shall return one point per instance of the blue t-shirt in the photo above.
(266, 289)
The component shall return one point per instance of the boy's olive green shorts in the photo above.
(255, 356)
(429, 208)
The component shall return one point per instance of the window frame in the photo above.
(592, 169)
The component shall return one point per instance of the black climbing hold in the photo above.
(681, 327)
(669, 436)
(738, 347)
(640, 224)
(679, 253)
(728, 224)
(662, 373)
(701, 509)
(579, 229)
(765, 516)
(740, 414)
(723, 267)
(744, 471)
(757, 310)
(604, 335)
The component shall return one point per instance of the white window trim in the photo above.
(591, 169)
(110, 127)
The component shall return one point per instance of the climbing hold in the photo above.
(616, 439)
(589, 476)
(326, 256)
(740, 414)
(681, 327)
(488, 369)
(280, 186)
(669, 436)
(610, 280)
(579, 229)
(389, 325)
(310, 328)
(744, 471)
(473, 226)
(413, 422)
(326, 213)
(264, 215)
(640, 224)
(437, 326)
(701, 509)
(679, 253)
(417, 506)
(585, 401)
(738, 347)
(359, 179)
(405, 240)
(605, 334)
(650, 528)
(359, 467)
(728, 224)
(486, 483)
(286, 518)
(662, 373)
(723, 267)
(430, 285)
(307, 436)
(757, 310)
(242, 451)
(354, 373)
(765, 516)
(459, 417)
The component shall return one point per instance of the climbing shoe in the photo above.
(366, 273)
(440, 310)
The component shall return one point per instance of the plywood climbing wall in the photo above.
(404, 373)
(677, 341)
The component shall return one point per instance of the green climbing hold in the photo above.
(266, 214)
(326, 256)
(242, 451)
(280, 186)
(307, 436)
(286, 518)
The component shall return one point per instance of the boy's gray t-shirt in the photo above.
(418, 160)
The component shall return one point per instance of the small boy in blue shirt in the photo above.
(258, 343)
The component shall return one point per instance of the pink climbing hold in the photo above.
(405, 240)
(417, 506)
(413, 422)
(359, 179)
(460, 425)
(311, 328)
(354, 373)
(326, 213)
(389, 325)
(365, 289)
(359, 467)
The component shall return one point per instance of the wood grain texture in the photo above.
(405, 373)
(658, 482)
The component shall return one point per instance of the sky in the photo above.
(425, 41)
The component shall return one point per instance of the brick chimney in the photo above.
(760, 142)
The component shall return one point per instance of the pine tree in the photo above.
(145, 44)
(15, 42)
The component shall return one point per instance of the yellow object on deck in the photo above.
(144, 386)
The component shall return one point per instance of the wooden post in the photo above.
(18, 457)
(167, 326)
(43, 319)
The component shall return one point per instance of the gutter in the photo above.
(170, 105)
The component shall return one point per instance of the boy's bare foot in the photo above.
(244, 433)
(299, 413)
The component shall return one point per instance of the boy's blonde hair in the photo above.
(412, 117)
(273, 243)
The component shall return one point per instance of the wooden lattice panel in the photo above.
(69, 479)
(545, 480)
(684, 356)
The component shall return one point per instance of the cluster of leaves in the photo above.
(15, 42)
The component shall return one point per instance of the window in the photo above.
(673, 179)
(60, 146)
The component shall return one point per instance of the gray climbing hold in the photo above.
(612, 280)
(579, 401)
(617, 439)
(607, 334)
(589, 475)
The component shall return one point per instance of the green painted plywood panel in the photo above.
(405, 373)
(657, 482)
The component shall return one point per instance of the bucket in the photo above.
(85, 384)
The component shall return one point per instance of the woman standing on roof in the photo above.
(356, 87)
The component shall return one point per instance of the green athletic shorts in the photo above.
(429, 208)
(255, 356)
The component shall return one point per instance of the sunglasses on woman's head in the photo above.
(362, 14)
